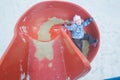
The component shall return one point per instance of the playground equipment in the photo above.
(41, 49)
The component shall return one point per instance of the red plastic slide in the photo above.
(42, 49)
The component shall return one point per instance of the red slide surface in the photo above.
(41, 49)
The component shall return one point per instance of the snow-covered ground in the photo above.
(107, 15)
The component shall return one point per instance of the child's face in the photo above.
(78, 21)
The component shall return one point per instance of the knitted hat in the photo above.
(76, 17)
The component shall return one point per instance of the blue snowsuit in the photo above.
(78, 33)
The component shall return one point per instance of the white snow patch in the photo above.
(22, 76)
(28, 77)
(24, 40)
(24, 19)
(23, 29)
(68, 78)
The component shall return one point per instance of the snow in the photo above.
(22, 76)
(28, 77)
(106, 13)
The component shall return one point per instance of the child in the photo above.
(78, 34)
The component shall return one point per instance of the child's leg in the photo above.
(78, 43)
(89, 38)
